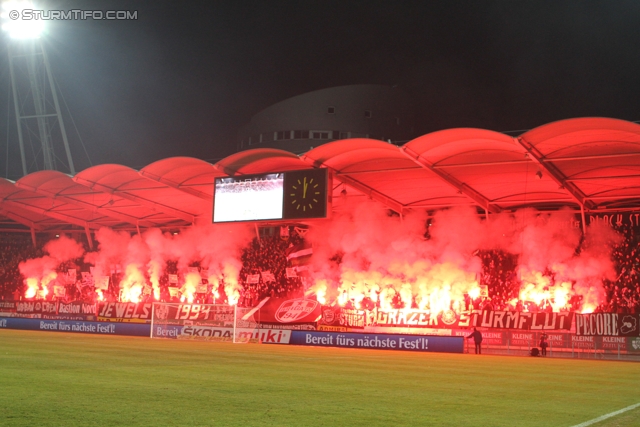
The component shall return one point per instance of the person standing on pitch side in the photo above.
(543, 344)
(477, 340)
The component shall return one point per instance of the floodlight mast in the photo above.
(25, 48)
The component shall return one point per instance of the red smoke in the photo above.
(367, 255)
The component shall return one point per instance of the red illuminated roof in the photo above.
(586, 162)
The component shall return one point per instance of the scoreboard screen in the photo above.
(286, 195)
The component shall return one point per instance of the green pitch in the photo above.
(59, 379)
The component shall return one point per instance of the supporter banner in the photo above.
(124, 312)
(343, 317)
(282, 311)
(291, 272)
(75, 310)
(267, 276)
(214, 315)
(521, 320)
(102, 282)
(483, 319)
(76, 326)
(616, 219)
(7, 306)
(290, 326)
(70, 277)
(213, 333)
(37, 307)
(420, 319)
(87, 278)
(77, 307)
(421, 343)
(608, 324)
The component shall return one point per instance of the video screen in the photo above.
(248, 198)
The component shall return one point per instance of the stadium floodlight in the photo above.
(19, 21)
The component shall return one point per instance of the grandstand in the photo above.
(517, 229)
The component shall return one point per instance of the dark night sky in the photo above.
(182, 79)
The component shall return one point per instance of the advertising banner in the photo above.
(422, 343)
(633, 345)
(608, 324)
(557, 340)
(218, 333)
(76, 326)
(583, 342)
(612, 343)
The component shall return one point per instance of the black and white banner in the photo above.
(608, 324)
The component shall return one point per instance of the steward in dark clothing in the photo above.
(543, 344)
(477, 340)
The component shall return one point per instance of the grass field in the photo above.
(59, 379)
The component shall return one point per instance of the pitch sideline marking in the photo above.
(604, 417)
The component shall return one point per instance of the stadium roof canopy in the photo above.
(585, 163)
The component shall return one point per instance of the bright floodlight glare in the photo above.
(15, 26)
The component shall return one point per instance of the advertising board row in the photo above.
(101, 328)
(306, 314)
(561, 341)
(453, 343)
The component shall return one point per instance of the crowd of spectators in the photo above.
(500, 279)
(623, 294)
(14, 249)
(264, 256)
(264, 273)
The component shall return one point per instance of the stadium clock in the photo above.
(305, 194)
